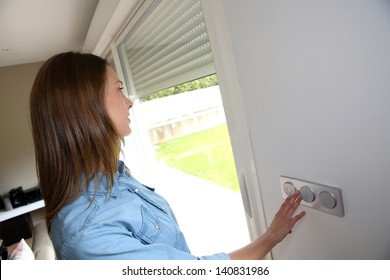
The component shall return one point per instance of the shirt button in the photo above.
(136, 190)
(157, 227)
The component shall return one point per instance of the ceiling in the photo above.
(34, 30)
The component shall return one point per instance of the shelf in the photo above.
(8, 214)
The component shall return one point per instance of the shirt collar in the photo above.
(101, 182)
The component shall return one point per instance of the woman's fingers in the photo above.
(296, 199)
(290, 204)
(288, 209)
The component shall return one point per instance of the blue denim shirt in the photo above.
(132, 223)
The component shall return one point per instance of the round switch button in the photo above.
(307, 194)
(289, 188)
(328, 200)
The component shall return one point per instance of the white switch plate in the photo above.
(319, 190)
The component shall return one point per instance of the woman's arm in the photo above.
(281, 225)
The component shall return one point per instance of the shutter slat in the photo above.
(157, 25)
(170, 54)
(169, 45)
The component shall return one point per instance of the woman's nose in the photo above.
(129, 103)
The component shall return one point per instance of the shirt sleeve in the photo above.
(112, 242)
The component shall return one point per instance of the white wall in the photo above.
(315, 78)
(17, 159)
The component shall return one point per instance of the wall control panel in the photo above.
(321, 197)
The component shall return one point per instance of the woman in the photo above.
(94, 208)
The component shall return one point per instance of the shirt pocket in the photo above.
(150, 227)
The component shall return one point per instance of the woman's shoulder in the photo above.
(73, 215)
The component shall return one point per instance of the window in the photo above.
(166, 48)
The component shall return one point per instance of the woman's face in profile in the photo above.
(116, 103)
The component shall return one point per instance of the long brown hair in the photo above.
(74, 138)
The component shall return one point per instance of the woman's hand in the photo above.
(284, 221)
(281, 225)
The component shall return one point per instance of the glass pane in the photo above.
(187, 130)
(192, 165)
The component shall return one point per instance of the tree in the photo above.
(204, 82)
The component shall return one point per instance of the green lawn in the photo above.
(206, 154)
